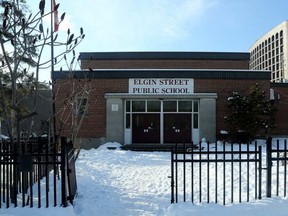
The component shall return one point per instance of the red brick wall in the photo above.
(165, 64)
(281, 102)
(223, 88)
(94, 124)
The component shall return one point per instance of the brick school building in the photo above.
(155, 97)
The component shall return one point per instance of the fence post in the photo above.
(269, 166)
(63, 171)
(172, 174)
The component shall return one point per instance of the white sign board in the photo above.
(171, 86)
(114, 107)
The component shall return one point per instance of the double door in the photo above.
(154, 128)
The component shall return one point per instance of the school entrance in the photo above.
(177, 128)
(162, 121)
(146, 128)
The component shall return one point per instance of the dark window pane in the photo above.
(195, 121)
(128, 106)
(170, 106)
(195, 104)
(82, 106)
(128, 121)
(153, 106)
(185, 106)
(138, 106)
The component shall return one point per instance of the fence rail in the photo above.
(219, 173)
(30, 173)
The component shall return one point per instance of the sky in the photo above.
(169, 25)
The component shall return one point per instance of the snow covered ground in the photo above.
(125, 183)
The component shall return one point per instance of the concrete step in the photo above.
(153, 147)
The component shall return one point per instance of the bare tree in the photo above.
(23, 40)
(72, 108)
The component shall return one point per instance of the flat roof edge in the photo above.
(164, 55)
(196, 74)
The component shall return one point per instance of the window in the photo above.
(128, 106)
(153, 106)
(161, 106)
(195, 106)
(195, 121)
(128, 115)
(185, 106)
(170, 106)
(128, 120)
(138, 106)
(82, 106)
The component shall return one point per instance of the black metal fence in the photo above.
(32, 172)
(276, 168)
(226, 173)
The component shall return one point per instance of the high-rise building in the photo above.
(270, 52)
